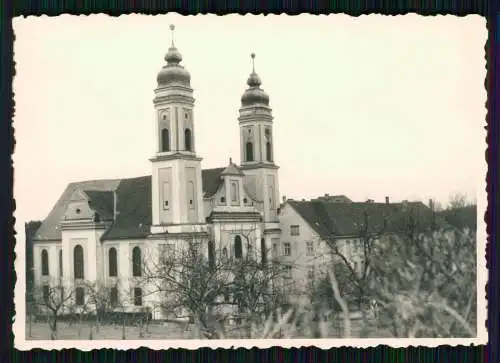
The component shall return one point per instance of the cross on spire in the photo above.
(172, 28)
(253, 61)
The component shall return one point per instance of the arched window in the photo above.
(45, 263)
(268, 151)
(249, 151)
(263, 251)
(112, 262)
(60, 263)
(187, 140)
(238, 249)
(78, 262)
(136, 262)
(165, 140)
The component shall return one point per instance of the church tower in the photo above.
(176, 177)
(257, 146)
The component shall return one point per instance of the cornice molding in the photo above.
(78, 225)
(174, 98)
(175, 156)
(259, 165)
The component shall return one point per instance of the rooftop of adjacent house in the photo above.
(133, 204)
(345, 219)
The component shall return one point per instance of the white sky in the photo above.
(366, 107)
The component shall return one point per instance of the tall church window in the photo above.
(190, 194)
(263, 251)
(46, 293)
(45, 263)
(113, 262)
(78, 262)
(187, 140)
(136, 262)
(249, 151)
(137, 296)
(268, 152)
(165, 140)
(79, 296)
(60, 263)
(113, 296)
(238, 248)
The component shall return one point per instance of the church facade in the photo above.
(101, 230)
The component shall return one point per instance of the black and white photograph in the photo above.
(240, 181)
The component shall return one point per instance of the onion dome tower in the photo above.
(176, 178)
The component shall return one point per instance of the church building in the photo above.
(103, 231)
(99, 230)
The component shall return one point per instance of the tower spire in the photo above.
(253, 62)
(172, 28)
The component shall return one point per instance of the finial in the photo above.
(172, 28)
(253, 61)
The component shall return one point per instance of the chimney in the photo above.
(386, 200)
(327, 195)
(431, 204)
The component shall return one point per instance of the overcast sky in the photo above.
(366, 107)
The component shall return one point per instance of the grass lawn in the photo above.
(157, 331)
(41, 331)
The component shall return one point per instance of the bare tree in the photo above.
(102, 301)
(53, 301)
(356, 273)
(423, 280)
(199, 281)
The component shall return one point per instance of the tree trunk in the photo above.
(53, 328)
(124, 336)
(141, 333)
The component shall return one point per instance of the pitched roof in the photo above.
(49, 230)
(102, 202)
(211, 180)
(343, 219)
(133, 207)
(133, 198)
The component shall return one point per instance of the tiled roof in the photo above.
(211, 180)
(343, 219)
(133, 204)
(102, 202)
